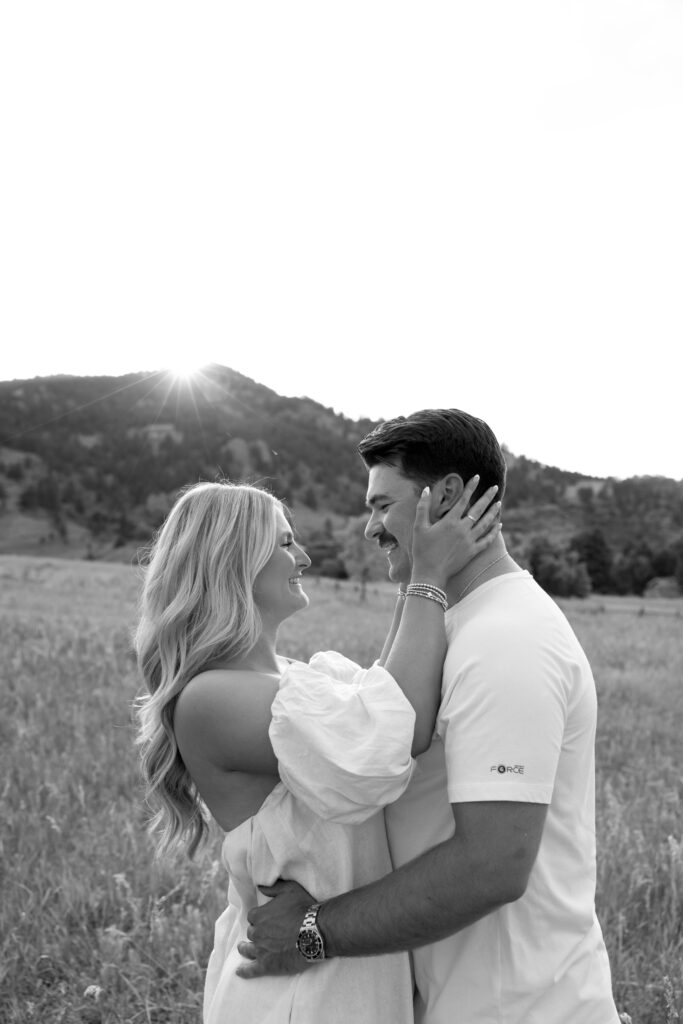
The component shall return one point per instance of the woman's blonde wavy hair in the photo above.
(196, 607)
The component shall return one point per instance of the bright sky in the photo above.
(382, 205)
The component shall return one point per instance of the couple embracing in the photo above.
(413, 841)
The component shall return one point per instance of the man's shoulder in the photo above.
(518, 628)
(514, 601)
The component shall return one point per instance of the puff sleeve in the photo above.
(342, 736)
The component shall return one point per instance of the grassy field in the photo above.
(91, 930)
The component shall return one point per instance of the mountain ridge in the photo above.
(89, 466)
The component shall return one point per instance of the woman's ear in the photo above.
(446, 492)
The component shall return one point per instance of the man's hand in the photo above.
(273, 931)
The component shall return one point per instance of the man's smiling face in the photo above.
(393, 500)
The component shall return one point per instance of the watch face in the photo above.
(310, 944)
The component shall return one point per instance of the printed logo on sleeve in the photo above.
(503, 769)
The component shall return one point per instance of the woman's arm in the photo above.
(393, 629)
(440, 549)
(416, 662)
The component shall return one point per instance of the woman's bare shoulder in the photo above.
(222, 713)
(222, 678)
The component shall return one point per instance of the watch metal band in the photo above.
(310, 942)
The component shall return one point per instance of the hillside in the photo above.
(90, 465)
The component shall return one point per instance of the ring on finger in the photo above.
(468, 516)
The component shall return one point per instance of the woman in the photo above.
(293, 761)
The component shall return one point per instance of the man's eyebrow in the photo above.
(377, 499)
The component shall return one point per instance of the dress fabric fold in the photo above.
(342, 736)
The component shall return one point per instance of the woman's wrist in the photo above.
(430, 592)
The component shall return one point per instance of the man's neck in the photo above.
(495, 561)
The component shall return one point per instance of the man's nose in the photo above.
(373, 527)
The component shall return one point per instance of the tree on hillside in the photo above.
(97, 522)
(678, 572)
(559, 572)
(593, 550)
(72, 496)
(44, 494)
(325, 555)
(633, 569)
(664, 562)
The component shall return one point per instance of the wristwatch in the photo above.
(310, 943)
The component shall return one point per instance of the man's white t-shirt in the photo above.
(516, 722)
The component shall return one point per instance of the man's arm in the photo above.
(485, 865)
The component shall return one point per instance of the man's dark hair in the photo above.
(430, 444)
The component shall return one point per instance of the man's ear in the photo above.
(446, 492)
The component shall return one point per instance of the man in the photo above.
(494, 840)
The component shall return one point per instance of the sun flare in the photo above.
(183, 370)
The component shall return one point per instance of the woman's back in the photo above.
(231, 762)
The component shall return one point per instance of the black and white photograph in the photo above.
(341, 512)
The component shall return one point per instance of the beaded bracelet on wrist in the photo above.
(429, 591)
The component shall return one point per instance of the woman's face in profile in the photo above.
(277, 588)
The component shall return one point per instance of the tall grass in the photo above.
(93, 930)
(638, 664)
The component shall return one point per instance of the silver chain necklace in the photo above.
(475, 578)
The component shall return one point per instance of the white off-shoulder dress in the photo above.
(342, 736)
